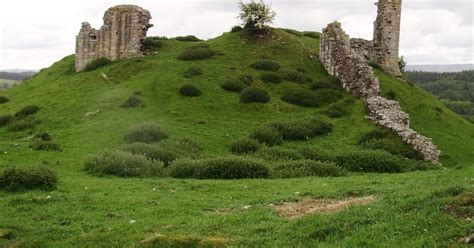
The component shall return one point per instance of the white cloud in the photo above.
(35, 34)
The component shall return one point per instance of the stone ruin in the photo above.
(348, 60)
(121, 36)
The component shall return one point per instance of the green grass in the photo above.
(96, 211)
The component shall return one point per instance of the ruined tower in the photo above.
(121, 36)
(387, 36)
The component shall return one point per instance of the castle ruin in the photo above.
(121, 36)
(348, 60)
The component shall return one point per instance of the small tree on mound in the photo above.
(256, 14)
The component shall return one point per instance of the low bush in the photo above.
(192, 72)
(3, 99)
(148, 132)
(236, 29)
(185, 168)
(307, 98)
(395, 147)
(97, 63)
(293, 32)
(44, 145)
(233, 168)
(267, 135)
(361, 161)
(197, 52)
(266, 65)
(272, 78)
(278, 154)
(132, 102)
(153, 43)
(302, 130)
(16, 179)
(310, 34)
(306, 168)
(5, 120)
(233, 85)
(295, 76)
(190, 90)
(391, 95)
(254, 95)
(183, 148)
(153, 152)
(375, 66)
(244, 146)
(374, 134)
(339, 109)
(23, 124)
(43, 136)
(26, 111)
(325, 84)
(246, 79)
(123, 164)
(190, 38)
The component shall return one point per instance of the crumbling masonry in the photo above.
(347, 59)
(121, 36)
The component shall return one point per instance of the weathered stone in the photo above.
(121, 36)
(342, 60)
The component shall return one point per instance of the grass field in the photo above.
(82, 113)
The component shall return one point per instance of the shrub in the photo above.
(190, 38)
(43, 136)
(375, 66)
(325, 84)
(391, 95)
(23, 124)
(295, 76)
(123, 164)
(246, 79)
(244, 146)
(266, 65)
(132, 102)
(306, 168)
(255, 15)
(271, 78)
(26, 111)
(192, 72)
(152, 152)
(293, 32)
(308, 98)
(44, 145)
(190, 90)
(3, 99)
(183, 148)
(153, 43)
(185, 168)
(395, 147)
(197, 52)
(148, 132)
(374, 134)
(5, 120)
(97, 63)
(236, 29)
(234, 85)
(254, 95)
(314, 35)
(15, 179)
(267, 135)
(278, 154)
(340, 108)
(302, 130)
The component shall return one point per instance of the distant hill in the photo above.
(17, 75)
(441, 68)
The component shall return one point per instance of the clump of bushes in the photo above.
(219, 168)
(380, 139)
(152, 152)
(123, 164)
(16, 179)
(26, 111)
(197, 52)
(306, 168)
(295, 76)
(5, 120)
(293, 32)
(192, 72)
(3, 99)
(244, 146)
(267, 135)
(23, 124)
(236, 29)
(254, 95)
(97, 63)
(234, 85)
(266, 65)
(246, 79)
(307, 98)
(132, 102)
(278, 154)
(325, 84)
(190, 90)
(361, 161)
(310, 34)
(339, 109)
(190, 38)
(44, 142)
(391, 95)
(302, 130)
(153, 43)
(272, 78)
(148, 132)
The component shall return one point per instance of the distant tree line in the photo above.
(17, 76)
(454, 89)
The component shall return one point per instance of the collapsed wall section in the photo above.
(351, 68)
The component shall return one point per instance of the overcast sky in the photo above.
(34, 34)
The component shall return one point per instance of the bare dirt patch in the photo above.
(308, 206)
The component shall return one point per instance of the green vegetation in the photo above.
(268, 136)
(132, 102)
(266, 65)
(3, 99)
(82, 111)
(97, 63)
(18, 179)
(272, 78)
(192, 72)
(197, 52)
(308, 98)
(254, 95)
(306, 168)
(191, 38)
(234, 85)
(244, 146)
(190, 90)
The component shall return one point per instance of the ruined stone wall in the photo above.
(121, 36)
(351, 68)
(387, 36)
